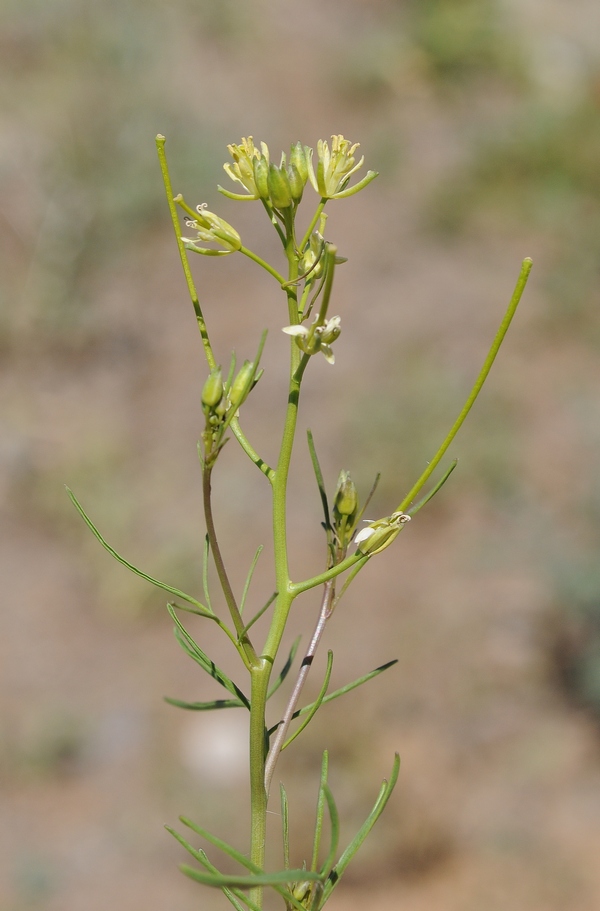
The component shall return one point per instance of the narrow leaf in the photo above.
(285, 826)
(320, 810)
(277, 880)
(205, 572)
(205, 706)
(340, 692)
(320, 483)
(258, 615)
(334, 820)
(382, 799)
(284, 670)
(428, 496)
(259, 550)
(315, 705)
(130, 566)
(194, 651)
(201, 857)
(251, 880)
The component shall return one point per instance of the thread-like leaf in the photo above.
(258, 615)
(285, 825)
(320, 483)
(334, 821)
(384, 795)
(205, 588)
(134, 569)
(340, 692)
(191, 647)
(285, 669)
(251, 880)
(205, 706)
(428, 496)
(315, 705)
(320, 810)
(202, 858)
(259, 550)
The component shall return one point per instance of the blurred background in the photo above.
(483, 118)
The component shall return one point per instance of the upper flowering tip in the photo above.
(335, 167)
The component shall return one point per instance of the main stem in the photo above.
(260, 674)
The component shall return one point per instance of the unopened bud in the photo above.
(279, 187)
(241, 384)
(346, 497)
(296, 183)
(299, 159)
(212, 391)
(261, 175)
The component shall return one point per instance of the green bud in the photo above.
(279, 187)
(261, 175)
(346, 498)
(241, 384)
(299, 155)
(212, 392)
(296, 183)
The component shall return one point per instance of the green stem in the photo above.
(263, 263)
(246, 648)
(249, 450)
(160, 147)
(312, 224)
(487, 366)
(258, 747)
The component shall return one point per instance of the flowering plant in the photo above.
(352, 541)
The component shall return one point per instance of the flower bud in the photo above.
(296, 183)
(279, 187)
(299, 155)
(241, 384)
(212, 391)
(346, 498)
(261, 174)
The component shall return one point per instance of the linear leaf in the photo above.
(320, 810)
(285, 669)
(201, 857)
(384, 795)
(259, 551)
(138, 572)
(315, 705)
(334, 820)
(252, 879)
(285, 826)
(194, 651)
(258, 615)
(320, 483)
(340, 692)
(205, 588)
(278, 884)
(428, 496)
(205, 706)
